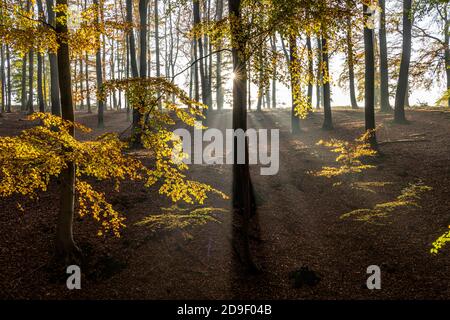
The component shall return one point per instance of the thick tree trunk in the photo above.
(402, 86)
(384, 71)
(327, 120)
(294, 69)
(243, 201)
(65, 245)
(369, 80)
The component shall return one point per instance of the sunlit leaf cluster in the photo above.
(350, 156)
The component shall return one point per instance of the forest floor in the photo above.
(298, 216)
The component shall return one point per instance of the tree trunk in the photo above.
(157, 53)
(400, 95)
(40, 90)
(447, 51)
(294, 70)
(3, 77)
(273, 42)
(8, 75)
(319, 96)
(88, 90)
(260, 80)
(384, 71)
(200, 48)
(369, 79)
(310, 70)
(65, 245)
(30, 108)
(219, 89)
(54, 81)
(242, 194)
(99, 74)
(23, 99)
(327, 121)
(350, 62)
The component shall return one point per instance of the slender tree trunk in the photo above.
(447, 50)
(369, 80)
(384, 71)
(273, 42)
(99, 73)
(40, 92)
(8, 75)
(310, 70)
(319, 97)
(260, 80)
(133, 68)
(65, 245)
(30, 107)
(131, 41)
(294, 70)
(219, 88)
(157, 52)
(54, 81)
(350, 62)
(200, 48)
(196, 75)
(3, 77)
(402, 86)
(88, 90)
(327, 121)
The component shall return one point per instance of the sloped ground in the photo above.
(298, 218)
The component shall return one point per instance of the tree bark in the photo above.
(310, 70)
(319, 96)
(157, 52)
(294, 70)
(400, 96)
(3, 77)
(65, 244)
(447, 51)
(243, 201)
(219, 88)
(30, 107)
(8, 76)
(99, 74)
(384, 71)
(369, 80)
(351, 65)
(327, 120)
(203, 77)
(273, 42)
